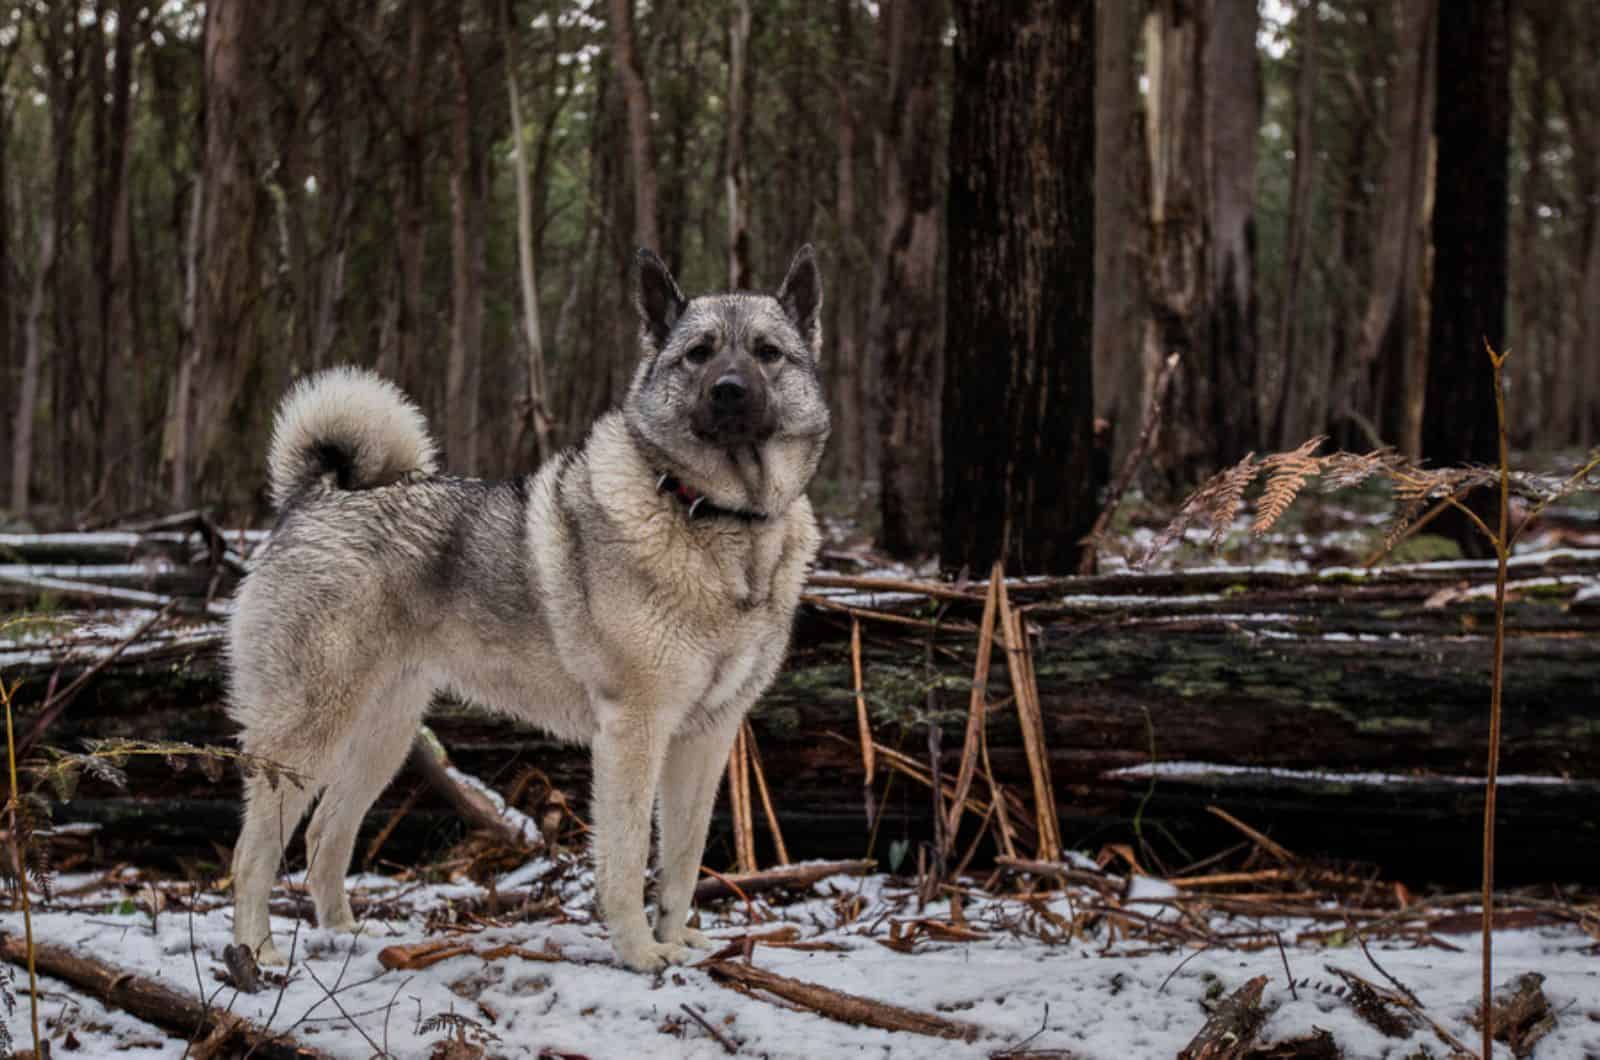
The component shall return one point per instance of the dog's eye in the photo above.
(767, 353)
(698, 354)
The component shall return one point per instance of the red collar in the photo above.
(700, 507)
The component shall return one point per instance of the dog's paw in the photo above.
(695, 939)
(267, 956)
(648, 955)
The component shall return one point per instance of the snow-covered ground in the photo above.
(1040, 977)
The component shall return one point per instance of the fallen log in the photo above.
(838, 1005)
(156, 1003)
(1310, 681)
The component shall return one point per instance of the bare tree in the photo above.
(641, 150)
(1118, 380)
(1387, 346)
(907, 313)
(1296, 391)
(1203, 111)
(228, 299)
(736, 174)
(466, 262)
(1472, 127)
(1018, 395)
(536, 412)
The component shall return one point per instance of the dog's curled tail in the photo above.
(350, 424)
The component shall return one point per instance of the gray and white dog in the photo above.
(635, 594)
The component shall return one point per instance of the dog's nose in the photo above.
(729, 392)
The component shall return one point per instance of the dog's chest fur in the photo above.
(688, 618)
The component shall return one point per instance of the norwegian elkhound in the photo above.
(634, 594)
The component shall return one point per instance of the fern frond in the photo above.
(1225, 494)
(1342, 470)
(1287, 474)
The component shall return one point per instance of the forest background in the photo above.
(1325, 206)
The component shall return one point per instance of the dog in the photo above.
(635, 594)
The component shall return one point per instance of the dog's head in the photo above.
(726, 377)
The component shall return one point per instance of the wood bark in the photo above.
(1202, 115)
(1386, 347)
(1018, 395)
(536, 415)
(1472, 128)
(1579, 85)
(736, 172)
(155, 1002)
(466, 265)
(846, 355)
(641, 150)
(32, 366)
(1118, 376)
(1296, 389)
(906, 309)
(228, 301)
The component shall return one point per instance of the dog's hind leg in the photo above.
(384, 733)
(694, 768)
(271, 814)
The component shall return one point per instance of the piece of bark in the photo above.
(837, 1005)
(1233, 1025)
(1522, 1014)
(154, 1002)
(422, 954)
(1318, 1045)
(467, 796)
(789, 877)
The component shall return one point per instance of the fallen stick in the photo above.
(59, 701)
(837, 1005)
(1232, 1027)
(1130, 465)
(472, 799)
(156, 1003)
(789, 876)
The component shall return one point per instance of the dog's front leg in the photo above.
(694, 768)
(628, 754)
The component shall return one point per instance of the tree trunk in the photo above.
(1293, 394)
(1018, 395)
(466, 267)
(1385, 348)
(32, 367)
(1118, 377)
(228, 300)
(845, 352)
(736, 176)
(636, 94)
(906, 330)
(537, 412)
(1472, 124)
(1578, 93)
(1203, 111)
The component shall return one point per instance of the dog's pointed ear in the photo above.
(660, 301)
(801, 296)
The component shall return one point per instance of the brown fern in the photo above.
(1287, 474)
(1228, 494)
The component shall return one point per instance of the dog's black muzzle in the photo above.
(733, 410)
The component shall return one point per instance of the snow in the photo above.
(1098, 995)
(1207, 770)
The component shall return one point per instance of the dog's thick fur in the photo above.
(635, 594)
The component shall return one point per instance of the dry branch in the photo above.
(837, 1005)
(156, 1003)
(1233, 1025)
(790, 877)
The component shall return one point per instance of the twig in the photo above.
(1287, 974)
(727, 1046)
(837, 1005)
(1502, 548)
(863, 722)
(744, 829)
(1130, 466)
(1020, 661)
(792, 876)
(766, 797)
(59, 701)
(975, 707)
